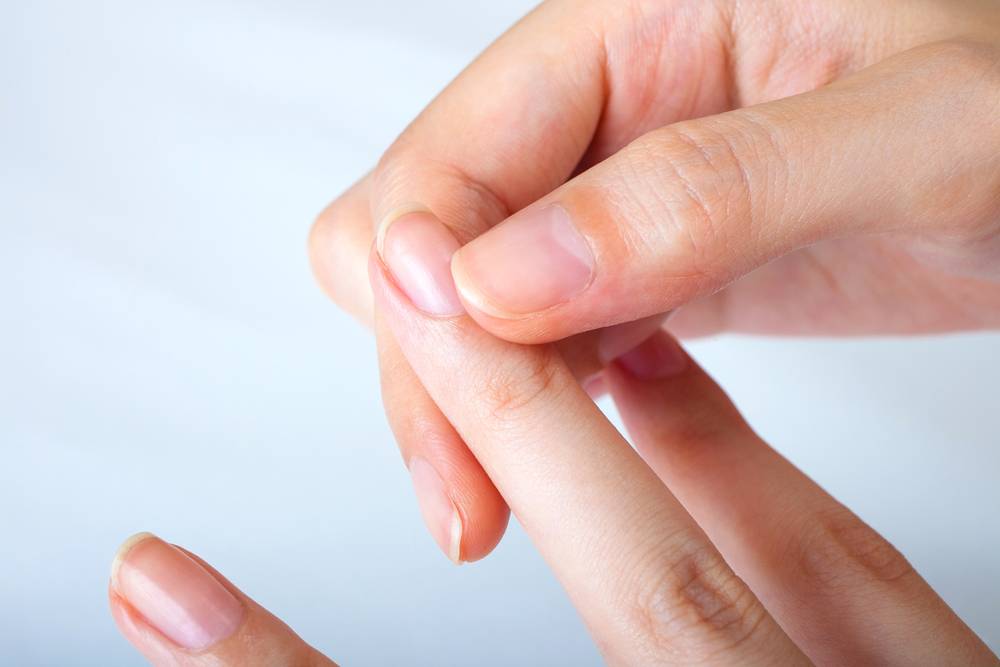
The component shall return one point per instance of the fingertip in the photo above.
(463, 511)
(484, 529)
(123, 552)
(618, 339)
(535, 260)
(658, 357)
(156, 648)
(174, 594)
(668, 401)
(336, 247)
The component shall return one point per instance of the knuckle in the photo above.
(709, 197)
(838, 550)
(408, 173)
(522, 380)
(696, 607)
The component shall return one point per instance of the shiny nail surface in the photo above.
(417, 248)
(530, 262)
(173, 593)
(439, 512)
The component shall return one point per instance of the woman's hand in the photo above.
(645, 155)
(710, 548)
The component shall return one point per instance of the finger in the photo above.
(839, 589)
(649, 585)
(684, 210)
(339, 242)
(462, 509)
(178, 611)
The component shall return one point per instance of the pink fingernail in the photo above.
(595, 386)
(439, 512)
(530, 262)
(174, 594)
(417, 248)
(656, 358)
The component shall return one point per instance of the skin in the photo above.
(809, 167)
(717, 552)
(818, 167)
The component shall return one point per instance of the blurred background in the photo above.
(167, 364)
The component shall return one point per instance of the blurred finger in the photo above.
(839, 589)
(338, 250)
(178, 611)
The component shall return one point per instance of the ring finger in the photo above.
(838, 588)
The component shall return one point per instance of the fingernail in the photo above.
(618, 339)
(417, 249)
(656, 358)
(440, 514)
(174, 594)
(532, 261)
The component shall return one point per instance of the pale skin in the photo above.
(809, 167)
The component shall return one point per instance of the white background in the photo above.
(167, 364)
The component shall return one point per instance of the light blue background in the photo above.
(167, 364)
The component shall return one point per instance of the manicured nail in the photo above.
(174, 594)
(656, 358)
(530, 262)
(417, 248)
(440, 514)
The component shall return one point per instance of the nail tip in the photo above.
(391, 217)
(123, 551)
(455, 546)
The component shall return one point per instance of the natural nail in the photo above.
(532, 261)
(417, 248)
(174, 594)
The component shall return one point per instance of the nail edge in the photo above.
(123, 551)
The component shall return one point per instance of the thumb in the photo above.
(909, 145)
(177, 610)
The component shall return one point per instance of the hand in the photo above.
(180, 612)
(855, 186)
(710, 549)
